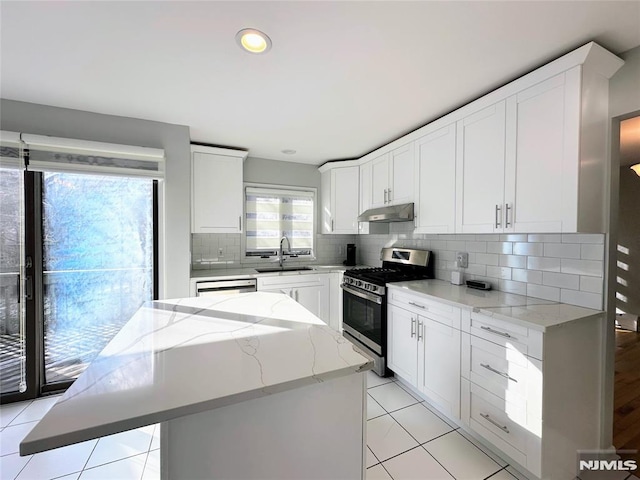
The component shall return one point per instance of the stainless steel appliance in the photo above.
(365, 298)
(218, 287)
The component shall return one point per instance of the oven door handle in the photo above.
(365, 295)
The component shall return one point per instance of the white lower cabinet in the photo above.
(532, 395)
(424, 349)
(309, 290)
(402, 343)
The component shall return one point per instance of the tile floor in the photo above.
(406, 440)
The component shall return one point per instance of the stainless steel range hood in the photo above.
(393, 213)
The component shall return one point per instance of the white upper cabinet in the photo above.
(435, 181)
(530, 156)
(480, 161)
(543, 156)
(392, 177)
(380, 172)
(216, 190)
(340, 200)
(365, 194)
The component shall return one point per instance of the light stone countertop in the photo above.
(251, 272)
(184, 356)
(530, 312)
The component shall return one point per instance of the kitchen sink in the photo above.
(282, 269)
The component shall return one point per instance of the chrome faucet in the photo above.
(280, 253)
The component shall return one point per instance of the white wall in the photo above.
(174, 139)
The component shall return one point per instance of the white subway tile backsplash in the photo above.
(475, 246)
(514, 237)
(548, 266)
(583, 238)
(583, 299)
(505, 248)
(515, 261)
(561, 280)
(562, 250)
(526, 276)
(592, 268)
(591, 284)
(545, 238)
(546, 293)
(503, 273)
(475, 269)
(488, 237)
(592, 252)
(488, 258)
(535, 249)
(543, 263)
(510, 286)
(458, 245)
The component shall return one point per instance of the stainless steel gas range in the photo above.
(365, 298)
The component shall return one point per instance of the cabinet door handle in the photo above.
(508, 209)
(492, 421)
(502, 374)
(297, 293)
(385, 195)
(332, 225)
(389, 195)
(498, 215)
(413, 327)
(240, 222)
(417, 305)
(489, 329)
(420, 326)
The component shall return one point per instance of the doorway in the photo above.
(626, 415)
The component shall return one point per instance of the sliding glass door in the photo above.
(12, 322)
(89, 265)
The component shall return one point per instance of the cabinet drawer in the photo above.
(506, 373)
(506, 426)
(525, 340)
(291, 281)
(441, 312)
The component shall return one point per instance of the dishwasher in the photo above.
(225, 287)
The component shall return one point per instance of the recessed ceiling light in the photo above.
(253, 41)
(288, 151)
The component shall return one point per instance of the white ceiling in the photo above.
(342, 78)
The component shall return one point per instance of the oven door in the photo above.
(363, 317)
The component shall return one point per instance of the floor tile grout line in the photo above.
(438, 461)
(144, 467)
(495, 473)
(112, 461)
(481, 449)
(374, 456)
(89, 457)
(23, 467)
(398, 454)
(435, 438)
(18, 414)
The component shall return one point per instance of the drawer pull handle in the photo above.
(417, 305)
(502, 374)
(413, 327)
(489, 329)
(492, 421)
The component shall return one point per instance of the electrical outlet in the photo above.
(462, 259)
(220, 252)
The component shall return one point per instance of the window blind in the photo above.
(272, 213)
(53, 154)
(10, 150)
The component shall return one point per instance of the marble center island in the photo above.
(248, 386)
